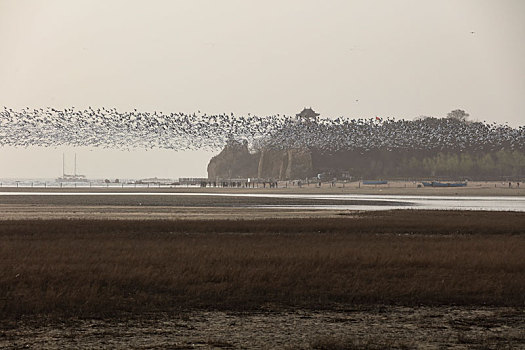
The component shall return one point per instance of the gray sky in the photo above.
(401, 58)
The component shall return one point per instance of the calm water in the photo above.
(398, 201)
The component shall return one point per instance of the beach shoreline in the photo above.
(474, 188)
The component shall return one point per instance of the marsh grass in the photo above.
(394, 222)
(101, 268)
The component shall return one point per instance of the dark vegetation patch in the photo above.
(425, 222)
(102, 268)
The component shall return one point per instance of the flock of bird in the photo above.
(181, 131)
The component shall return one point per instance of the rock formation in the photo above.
(278, 159)
(284, 164)
(236, 161)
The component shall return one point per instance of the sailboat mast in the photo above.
(75, 164)
(63, 165)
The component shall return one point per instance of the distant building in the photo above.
(307, 114)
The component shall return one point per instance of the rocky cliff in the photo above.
(236, 161)
(284, 164)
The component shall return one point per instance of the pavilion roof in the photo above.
(307, 113)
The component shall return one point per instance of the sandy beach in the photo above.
(484, 188)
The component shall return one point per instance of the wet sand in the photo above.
(101, 212)
(141, 207)
(374, 328)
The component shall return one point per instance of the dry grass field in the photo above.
(202, 276)
(101, 267)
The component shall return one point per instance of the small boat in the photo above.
(375, 182)
(68, 177)
(444, 184)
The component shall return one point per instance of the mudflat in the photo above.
(218, 203)
(378, 327)
(116, 212)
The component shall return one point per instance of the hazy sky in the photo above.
(399, 58)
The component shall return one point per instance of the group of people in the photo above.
(185, 131)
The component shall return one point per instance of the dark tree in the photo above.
(458, 114)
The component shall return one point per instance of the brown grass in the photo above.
(394, 222)
(103, 267)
